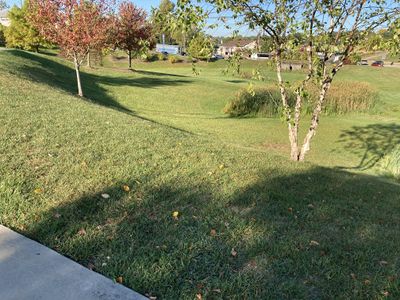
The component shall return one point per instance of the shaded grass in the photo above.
(58, 154)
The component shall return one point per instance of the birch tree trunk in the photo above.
(314, 120)
(78, 76)
(292, 128)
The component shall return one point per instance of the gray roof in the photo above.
(4, 13)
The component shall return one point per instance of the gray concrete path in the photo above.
(29, 270)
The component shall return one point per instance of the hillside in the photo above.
(250, 224)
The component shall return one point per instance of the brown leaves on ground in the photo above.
(82, 232)
(126, 188)
(213, 232)
(119, 279)
(234, 252)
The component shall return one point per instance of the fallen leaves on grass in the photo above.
(213, 232)
(383, 263)
(175, 215)
(82, 232)
(38, 191)
(105, 196)
(234, 252)
(314, 243)
(126, 188)
(119, 279)
(199, 296)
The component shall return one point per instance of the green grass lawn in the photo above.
(251, 224)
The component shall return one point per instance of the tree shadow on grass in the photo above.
(371, 143)
(52, 73)
(316, 234)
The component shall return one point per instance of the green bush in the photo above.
(161, 56)
(390, 163)
(343, 97)
(264, 102)
(150, 57)
(173, 59)
(2, 37)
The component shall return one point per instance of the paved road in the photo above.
(30, 271)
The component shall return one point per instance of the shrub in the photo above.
(343, 97)
(173, 59)
(161, 56)
(264, 102)
(390, 163)
(150, 57)
(2, 37)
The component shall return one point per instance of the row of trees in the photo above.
(78, 27)
(81, 27)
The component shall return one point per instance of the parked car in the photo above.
(377, 63)
(363, 62)
(217, 57)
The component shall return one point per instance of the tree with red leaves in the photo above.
(134, 34)
(76, 26)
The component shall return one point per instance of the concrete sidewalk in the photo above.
(29, 270)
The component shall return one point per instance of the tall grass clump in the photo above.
(343, 97)
(261, 102)
(390, 163)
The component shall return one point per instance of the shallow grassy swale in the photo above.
(251, 224)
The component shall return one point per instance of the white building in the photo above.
(227, 49)
(170, 49)
(4, 20)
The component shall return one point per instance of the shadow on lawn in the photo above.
(58, 75)
(371, 142)
(317, 234)
(61, 76)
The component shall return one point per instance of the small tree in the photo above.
(76, 26)
(134, 33)
(326, 29)
(160, 20)
(21, 34)
(201, 47)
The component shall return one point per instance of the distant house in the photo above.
(170, 49)
(227, 49)
(4, 20)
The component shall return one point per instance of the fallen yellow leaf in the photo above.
(38, 191)
(175, 214)
(126, 188)
(119, 279)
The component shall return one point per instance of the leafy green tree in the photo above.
(161, 20)
(201, 47)
(2, 37)
(21, 34)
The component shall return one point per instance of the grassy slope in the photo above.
(58, 154)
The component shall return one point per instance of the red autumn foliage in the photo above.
(134, 33)
(76, 26)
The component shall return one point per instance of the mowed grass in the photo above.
(251, 224)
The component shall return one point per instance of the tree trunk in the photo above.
(130, 59)
(78, 76)
(292, 129)
(89, 60)
(314, 120)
